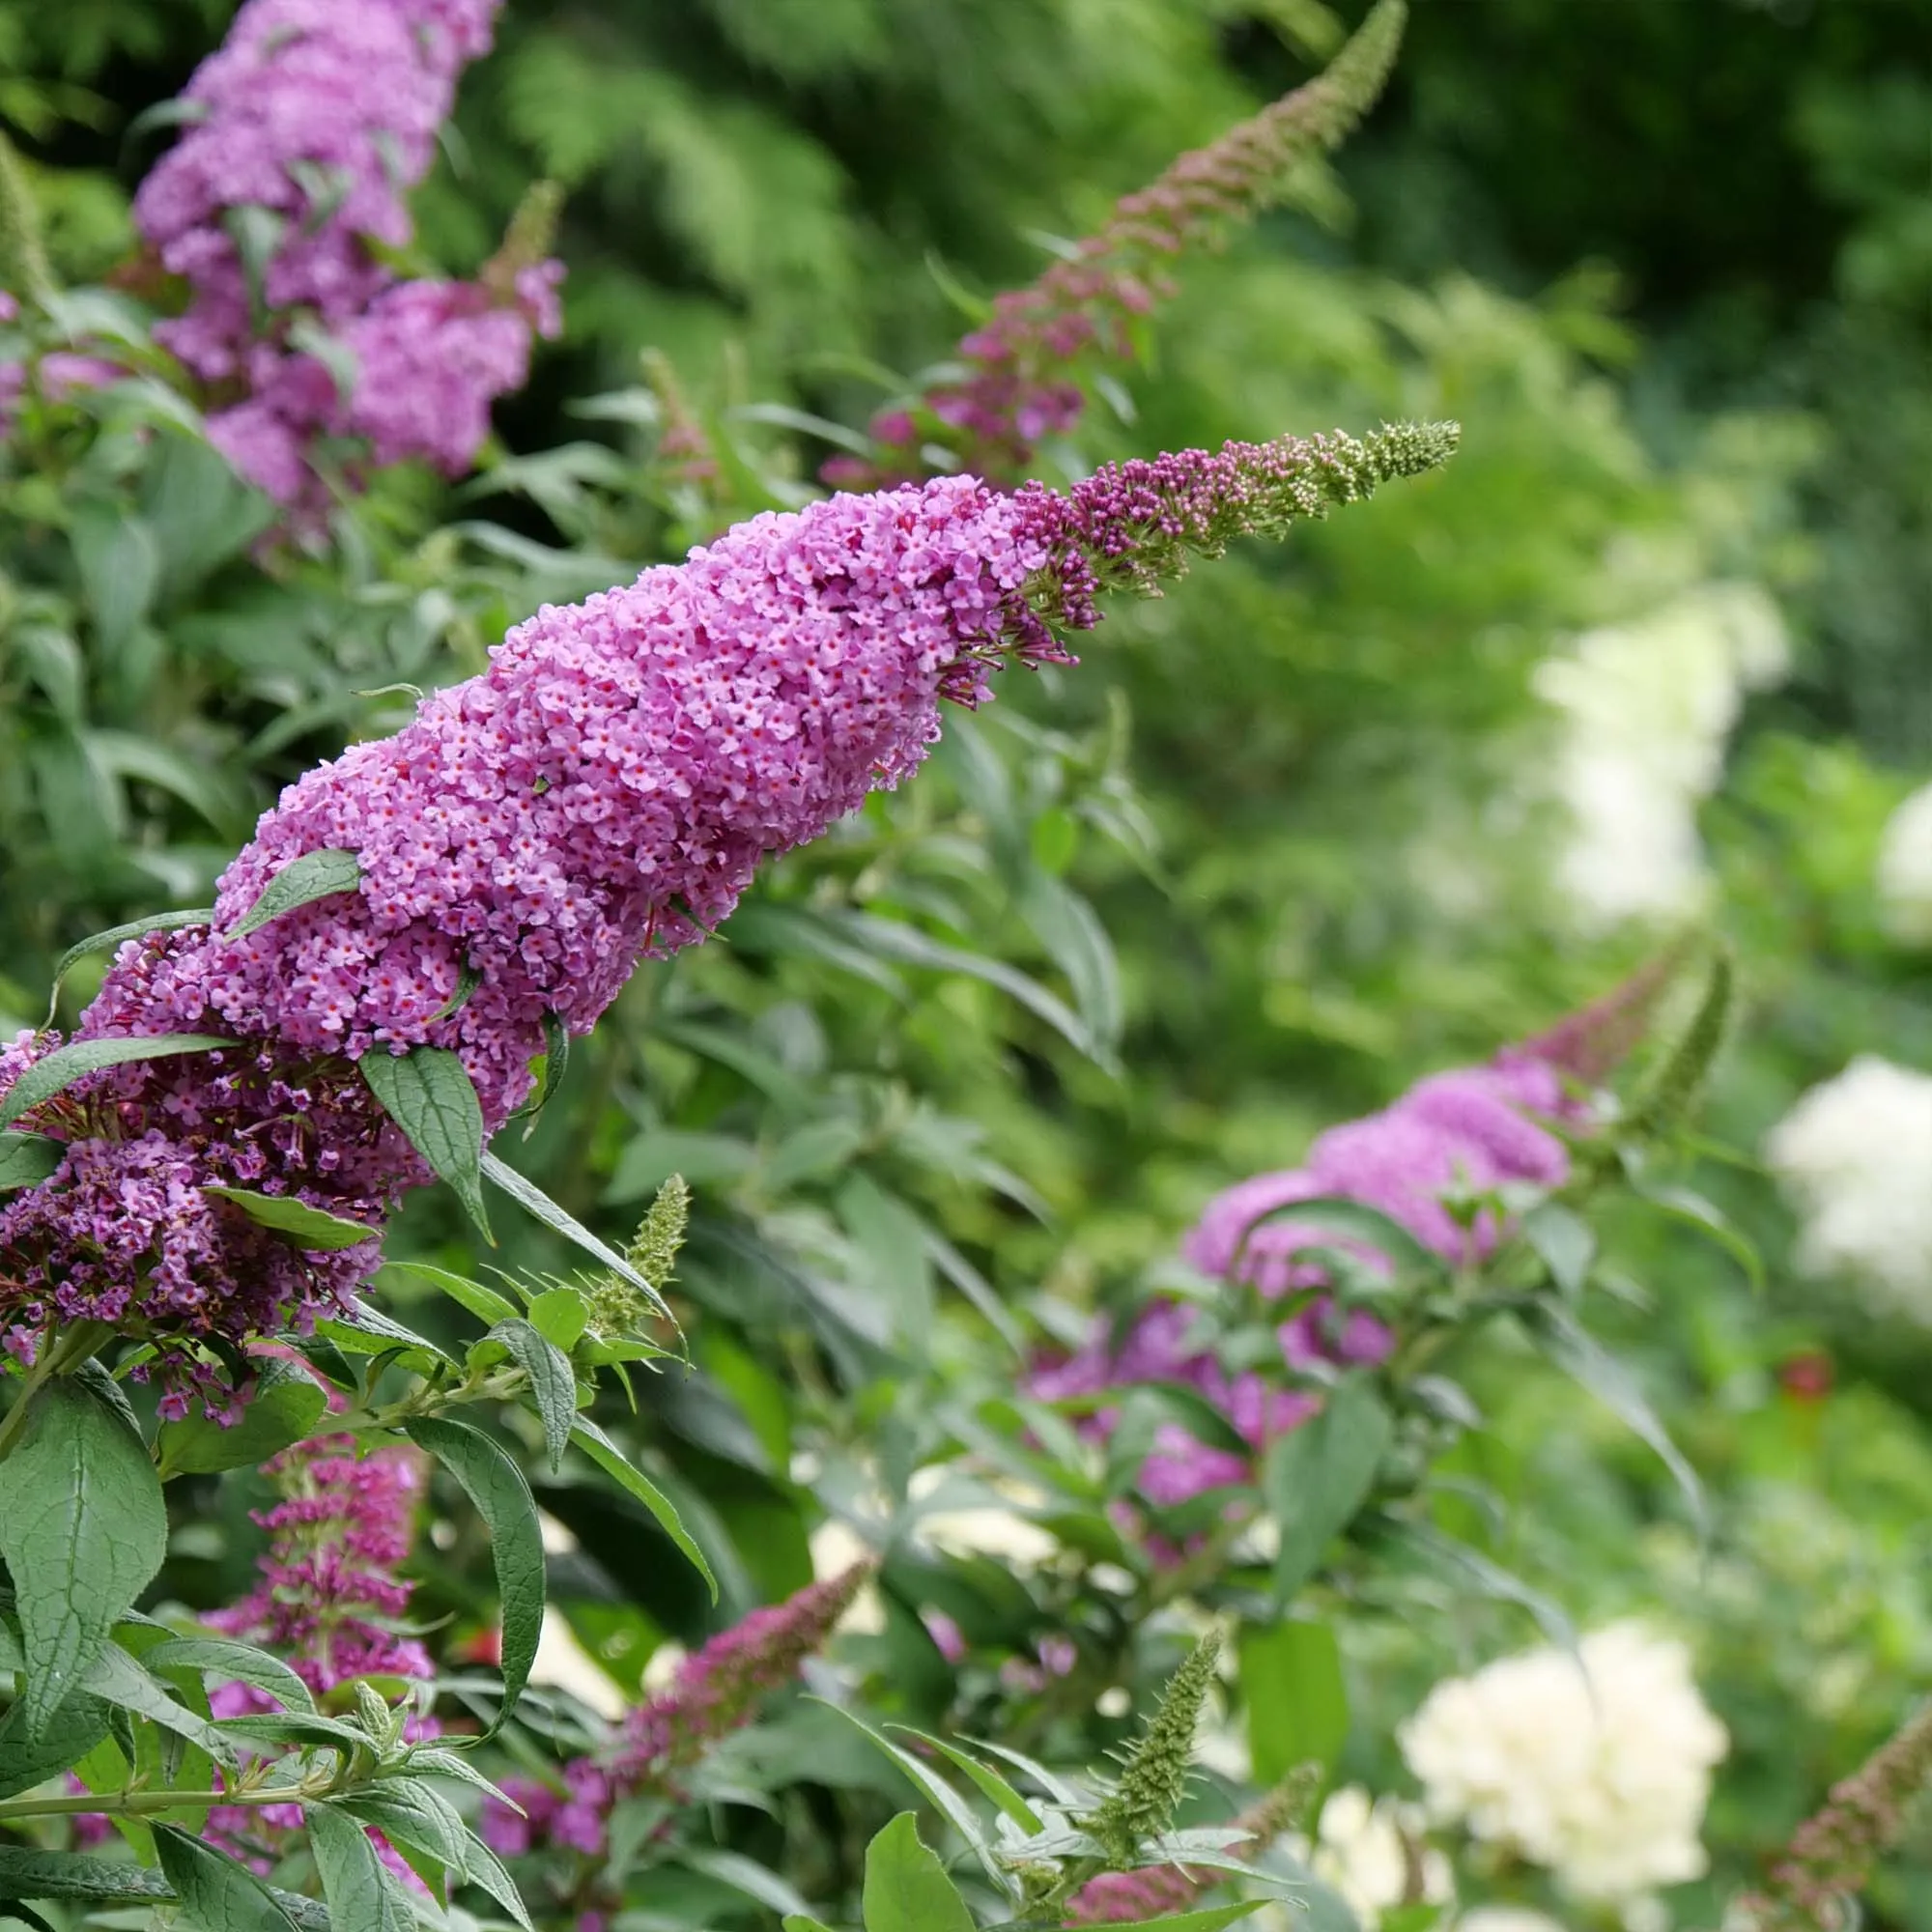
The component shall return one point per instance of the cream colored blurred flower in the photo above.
(835, 1548)
(1370, 1851)
(564, 1664)
(1600, 1775)
(1855, 1155)
(1905, 871)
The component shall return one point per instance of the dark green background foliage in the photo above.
(1143, 926)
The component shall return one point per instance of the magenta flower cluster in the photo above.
(601, 793)
(305, 132)
(1466, 1134)
(717, 1690)
(1024, 362)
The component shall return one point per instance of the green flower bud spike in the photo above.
(1154, 1778)
(1674, 1088)
(616, 1308)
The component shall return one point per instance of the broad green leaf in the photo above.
(996, 1788)
(1315, 1478)
(361, 1894)
(906, 1887)
(26, 1761)
(116, 935)
(1574, 1348)
(414, 1813)
(59, 1069)
(286, 1407)
(559, 1315)
(216, 1893)
(485, 1303)
(233, 1662)
(609, 1458)
(553, 1383)
(428, 1092)
(1297, 1704)
(28, 1159)
(528, 1195)
(495, 1483)
(314, 875)
(83, 1530)
(803, 1922)
(309, 1229)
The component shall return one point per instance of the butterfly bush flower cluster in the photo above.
(1467, 1133)
(1021, 365)
(1155, 1892)
(602, 793)
(716, 1690)
(305, 130)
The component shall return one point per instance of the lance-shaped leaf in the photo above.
(83, 1530)
(216, 1893)
(1315, 1478)
(495, 1483)
(59, 1069)
(528, 1195)
(28, 1159)
(308, 1228)
(428, 1092)
(315, 875)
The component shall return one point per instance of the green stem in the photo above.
(148, 1803)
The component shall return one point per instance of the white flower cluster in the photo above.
(1506, 1918)
(1905, 871)
(1855, 1155)
(1647, 707)
(1370, 1851)
(1600, 1775)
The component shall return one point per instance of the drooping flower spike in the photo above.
(1025, 361)
(716, 1690)
(600, 794)
(1466, 1133)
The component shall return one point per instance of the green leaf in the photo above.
(310, 1228)
(803, 1922)
(65, 1065)
(25, 1915)
(1367, 1224)
(906, 1887)
(745, 1875)
(468, 980)
(371, 1332)
(485, 1303)
(1210, 1918)
(315, 875)
(1563, 1240)
(1684, 1205)
(121, 1680)
(1576, 1350)
(434, 1761)
(233, 1664)
(286, 1407)
(25, 1874)
(559, 1315)
(116, 935)
(528, 1195)
(119, 565)
(1297, 1704)
(216, 1893)
(428, 1092)
(26, 1761)
(83, 1530)
(361, 1895)
(412, 1813)
(481, 1867)
(553, 1383)
(997, 1788)
(28, 1159)
(1505, 1586)
(1315, 1478)
(609, 1458)
(503, 1500)
(937, 1793)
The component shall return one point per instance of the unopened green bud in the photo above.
(1674, 1088)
